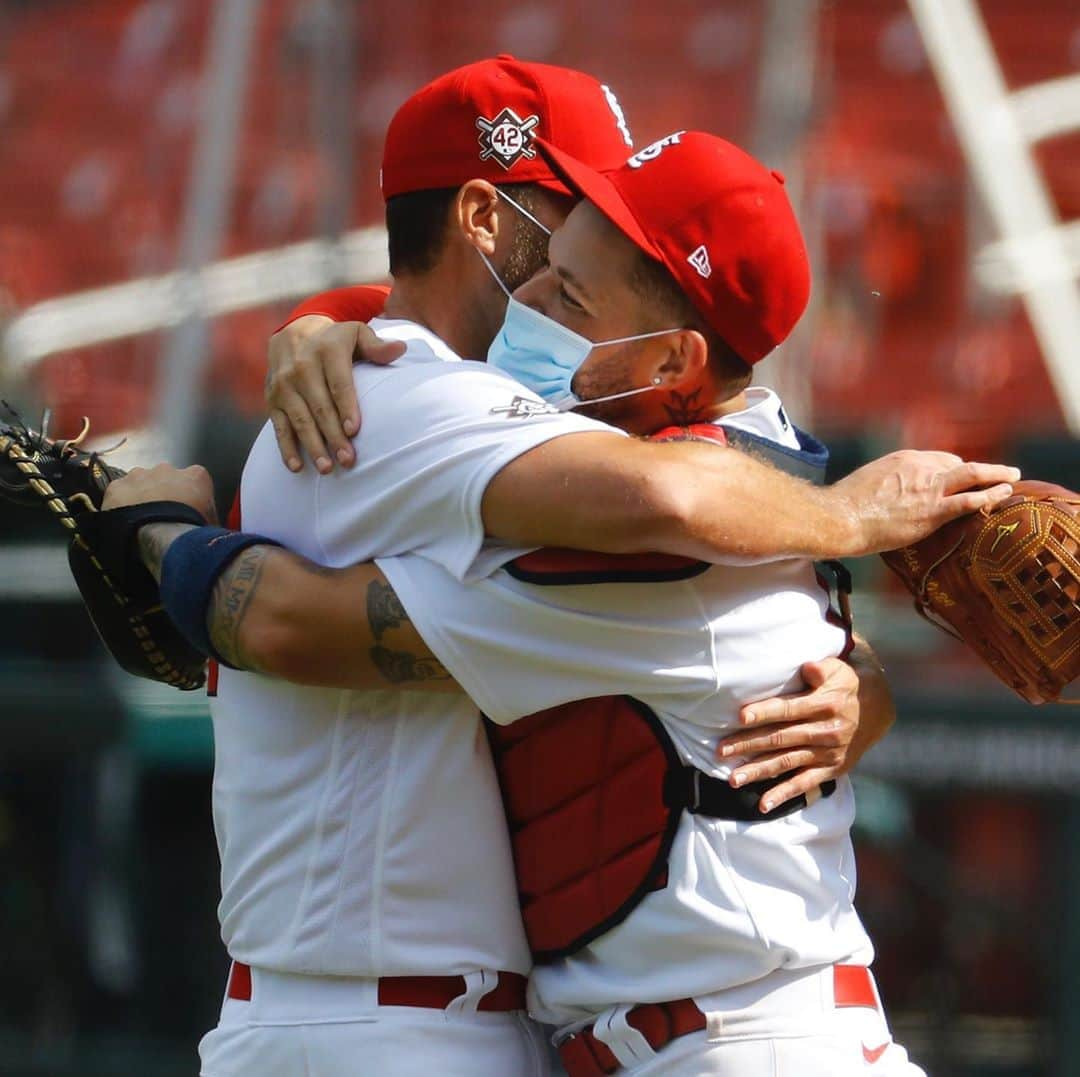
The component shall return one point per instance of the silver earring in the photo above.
(657, 380)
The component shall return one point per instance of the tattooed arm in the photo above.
(277, 613)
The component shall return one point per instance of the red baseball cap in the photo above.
(482, 121)
(719, 222)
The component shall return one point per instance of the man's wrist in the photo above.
(847, 535)
(155, 540)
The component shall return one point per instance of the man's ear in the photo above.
(476, 214)
(684, 362)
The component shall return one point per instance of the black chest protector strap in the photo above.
(702, 794)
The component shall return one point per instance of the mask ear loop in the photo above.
(524, 212)
(637, 336)
(495, 275)
(574, 402)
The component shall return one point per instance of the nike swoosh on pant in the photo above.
(872, 1054)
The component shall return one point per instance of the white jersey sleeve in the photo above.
(727, 635)
(432, 437)
(437, 436)
(516, 648)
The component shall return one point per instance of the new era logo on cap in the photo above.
(699, 259)
(507, 138)
(747, 270)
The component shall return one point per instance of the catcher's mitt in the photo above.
(1006, 581)
(121, 596)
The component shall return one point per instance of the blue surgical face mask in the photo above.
(544, 355)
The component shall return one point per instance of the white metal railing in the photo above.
(997, 129)
(153, 303)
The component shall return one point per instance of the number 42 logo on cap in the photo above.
(507, 138)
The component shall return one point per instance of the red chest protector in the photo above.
(594, 789)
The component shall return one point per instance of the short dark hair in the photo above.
(417, 223)
(416, 226)
(666, 302)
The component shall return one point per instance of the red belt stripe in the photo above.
(583, 1055)
(429, 992)
(854, 986)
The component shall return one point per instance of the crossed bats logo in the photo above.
(507, 138)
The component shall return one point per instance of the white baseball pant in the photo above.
(312, 1026)
(787, 1025)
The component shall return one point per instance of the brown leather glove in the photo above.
(1007, 583)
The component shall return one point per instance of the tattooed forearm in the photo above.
(384, 608)
(154, 543)
(401, 667)
(233, 594)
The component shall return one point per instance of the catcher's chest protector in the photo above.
(594, 789)
(584, 791)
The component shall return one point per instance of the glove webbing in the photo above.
(37, 482)
(42, 487)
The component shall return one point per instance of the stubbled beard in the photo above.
(682, 409)
(528, 253)
(609, 376)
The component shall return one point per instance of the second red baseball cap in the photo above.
(482, 121)
(719, 221)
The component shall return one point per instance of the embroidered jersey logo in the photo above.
(699, 259)
(507, 138)
(650, 153)
(1002, 531)
(617, 112)
(523, 408)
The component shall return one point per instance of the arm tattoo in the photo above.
(685, 408)
(384, 608)
(154, 543)
(233, 595)
(401, 667)
(385, 611)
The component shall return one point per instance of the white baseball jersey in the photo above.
(361, 833)
(742, 899)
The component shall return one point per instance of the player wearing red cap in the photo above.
(350, 895)
(750, 958)
(367, 894)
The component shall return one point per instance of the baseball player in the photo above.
(750, 958)
(354, 934)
